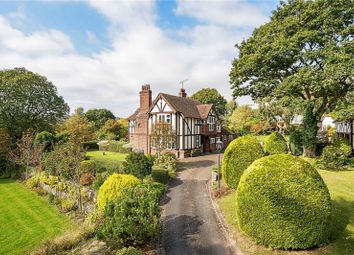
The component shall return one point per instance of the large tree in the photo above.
(28, 101)
(306, 51)
(211, 96)
(99, 116)
(80, 129)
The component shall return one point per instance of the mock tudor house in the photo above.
(197, 125)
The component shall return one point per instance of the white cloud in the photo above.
(222, 12)
(141, 52)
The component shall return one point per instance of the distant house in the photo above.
(197, 126)
(345, 129)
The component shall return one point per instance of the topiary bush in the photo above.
(239, 154)
(336, 155)
(132, 219)
(275, 143)
(160, 175)
(137, 164)
(114, 187)
(295, 142)
(282, 202)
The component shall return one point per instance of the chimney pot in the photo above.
(182, 93)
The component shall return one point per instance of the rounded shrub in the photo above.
(88, 166)
(239, 154)
(336, 155)
(137, 164)
(275, 144)
(114, 187)
(132, 219)
(282, 202)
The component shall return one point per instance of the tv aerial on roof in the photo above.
(182, 83)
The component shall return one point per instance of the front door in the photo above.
(205, 141)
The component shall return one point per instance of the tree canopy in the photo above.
(28, 101)
(211, 96)
(306, 52)
(99, 116)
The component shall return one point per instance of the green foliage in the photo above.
(137, 164)
(167, 160)
(275, 143)
(117, 146)
(344, 110)
(68, 205)
(336, 155)
(132, 219)
(46, 139)
(304, 52)
(113, 130)
(239, 154)
(114, 187)
(129, 251)
(242, 119)
(211, 96)
(79, 128)
(88, 166)
(282, 202)
(90, 145)
(32, 101)
(295, 142)
(160, 175)
(99, 116)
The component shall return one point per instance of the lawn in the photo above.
(341, 187)
(26, 219)
(107, 159)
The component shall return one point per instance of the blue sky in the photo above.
(99, 53)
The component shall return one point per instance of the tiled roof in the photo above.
(186, 106)
(133, 116)
(204, 110)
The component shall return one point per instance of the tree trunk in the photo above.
(310, 121)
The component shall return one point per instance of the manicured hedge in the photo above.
(114, 187)
(90, 146)
(239, 154)
(160, 175)
(336, 155)
(282, 202)
(275, 144)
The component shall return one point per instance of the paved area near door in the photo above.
(190, 225)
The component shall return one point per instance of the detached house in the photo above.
(197, 126)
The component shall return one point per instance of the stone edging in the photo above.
(220, 218)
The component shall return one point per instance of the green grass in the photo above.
(107, 159)
(26, 219)
(341, 187)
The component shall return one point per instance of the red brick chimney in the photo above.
(145, 98)
(182, 93)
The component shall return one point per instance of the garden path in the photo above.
(190, 225)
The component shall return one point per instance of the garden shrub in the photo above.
(137, 164)
(295, 142)
(68, 205)
(239, 154)
(160, 175)
(114, 187)
(90, 145)
(86, 179)
(132, 219)
(275, 143)
(129, 251)
(88, 166)
(32, 182)
(117, 146)
(46, 139)
(282, 202)
(336, 155)
(167, 160)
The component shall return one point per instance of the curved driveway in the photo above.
(189, 223)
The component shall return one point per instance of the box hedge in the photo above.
(282, 202)
(114, 187)
(160, 175)
(239, 154)
(275, 143)
(336, 155)
(90, 145)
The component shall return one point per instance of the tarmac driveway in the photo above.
(189, 223)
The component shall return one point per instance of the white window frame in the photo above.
(212, 140)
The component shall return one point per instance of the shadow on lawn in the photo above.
(342, 216)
